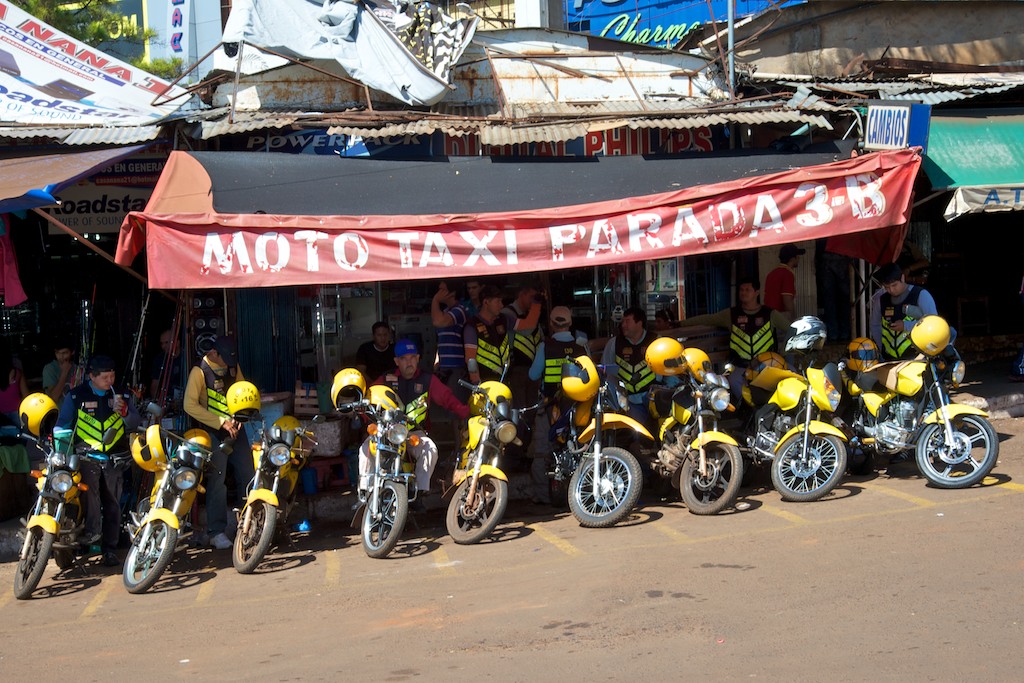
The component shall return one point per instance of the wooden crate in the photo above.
(306, 402)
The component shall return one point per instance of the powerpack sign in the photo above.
(896, 126)
(47, 76)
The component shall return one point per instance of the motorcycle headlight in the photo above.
(719, 399)
(506, 432)
(279, 454)
(58, 459)
(957, 373)
(61, 481)
(398, 433)
(832, 395)
(185, 479)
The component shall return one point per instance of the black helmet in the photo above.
(808, 334)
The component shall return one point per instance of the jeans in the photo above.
(240, 460)
(103, 502)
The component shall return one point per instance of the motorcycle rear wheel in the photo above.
(250, 548)
(804, 480)
(472, 526)
(145, 565)
(31, 567)
(620, 484)
(381, 533)
(711, 494)
(953, 466)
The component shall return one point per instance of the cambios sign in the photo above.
(49, 77)
(896, 126)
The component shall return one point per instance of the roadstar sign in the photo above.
(896, 126)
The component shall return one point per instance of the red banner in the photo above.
(211, 250)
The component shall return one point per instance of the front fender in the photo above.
(485, 471)
(266, 495)
(616, 421)
(712, 437)
(816, 427)
(954, 410)
(164, 515)
(46, 522)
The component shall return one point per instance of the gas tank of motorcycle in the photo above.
(788, 392)
(904, 377)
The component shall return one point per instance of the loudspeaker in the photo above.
(207, 321)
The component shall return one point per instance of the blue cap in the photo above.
(405, 347)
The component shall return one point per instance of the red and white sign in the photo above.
(211, 250)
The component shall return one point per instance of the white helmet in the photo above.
(808, 334)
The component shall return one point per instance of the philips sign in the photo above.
(896, 126)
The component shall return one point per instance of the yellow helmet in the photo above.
(38, 414)
(385, 397)
(930, 335)
(200, 437)
(349, 387)
(284, 424)
(698, 362)
(243, 401)
(862, 353)
(149, 453)
(496, 391)
(765, 359)
(665, 356)
(580, 380)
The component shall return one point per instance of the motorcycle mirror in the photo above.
(915, 312)
(154, 410)
(109, 436)
(227, 445)
(319, 418)
(728, 368)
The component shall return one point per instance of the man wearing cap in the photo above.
(487, 336)
(559, 347)
(92, 409)
(206, 403)
(895, 309)
(418, 390)
(780, 285)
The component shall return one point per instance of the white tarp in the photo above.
(979, 199)
(355, 37)
(48, 77)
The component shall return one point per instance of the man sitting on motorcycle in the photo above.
(895, 309)
(418, 390)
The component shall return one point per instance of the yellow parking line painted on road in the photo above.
(1006, 484)
(784, 514)
(101, 597)
(561, 544)
(671, 533)
(5, 597)
(205, 591)
(910, 498)
(443, 562)
(332, 575)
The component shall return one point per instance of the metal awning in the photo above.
(979, 155)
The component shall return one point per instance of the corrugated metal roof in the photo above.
(242, 123)
(85, 135)
(931, 89)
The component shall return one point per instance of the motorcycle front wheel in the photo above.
(149, 556)
(469, 525)
(718, 490)
(382, 531)
(801, 476)
(250, 548)
(618, 488)
(963, 463)
(35, 555)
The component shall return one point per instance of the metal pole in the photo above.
(732, 47)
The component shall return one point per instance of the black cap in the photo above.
(788, 251)
(98, 364)
(888, 273)
(228, 350)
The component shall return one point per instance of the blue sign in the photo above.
(897, 126)
(658, 23)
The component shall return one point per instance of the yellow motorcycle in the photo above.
(704, 463)
(808, 455)
(481, 488)
(904, 406)
(277, 455)
(384, 506)
(160, 521)
(55, 522)
(604, 480)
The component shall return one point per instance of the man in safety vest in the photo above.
(525, 342)
(627, 350)
(206, 403)
(895, 309)
(488, 336)
(418, 390)
(753, 328)
(90, 410)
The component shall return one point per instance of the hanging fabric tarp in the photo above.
(253, 220)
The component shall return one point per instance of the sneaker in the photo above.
(89, 539)
(221, 542)
(110, 559)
